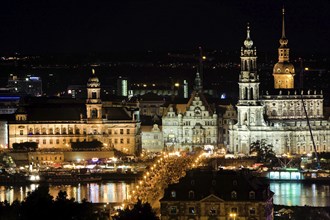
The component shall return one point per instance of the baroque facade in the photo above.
(57, 125)
(217, 195)
(277, 116)
(192, 125)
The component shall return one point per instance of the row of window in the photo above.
(191, 194)
(173, 210)
(46, 158)
(57, 131)
(64, 141)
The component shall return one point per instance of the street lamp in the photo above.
(232, 215)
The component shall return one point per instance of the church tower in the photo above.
(249, 108)
(93, 102)
(283, 70)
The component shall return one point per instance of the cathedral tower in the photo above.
(283, 70)
(249, 107)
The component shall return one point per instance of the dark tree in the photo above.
(263, 151)
(25, 146)
(140, 211)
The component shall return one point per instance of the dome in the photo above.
(93, 81)
(283, 68)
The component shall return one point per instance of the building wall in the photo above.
(197, 126)
(215, 210)
(120, 135)
(153, 140)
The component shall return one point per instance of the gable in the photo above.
(212, 198)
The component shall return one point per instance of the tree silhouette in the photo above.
(140, 211)
(264, 152)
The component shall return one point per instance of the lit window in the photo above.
(252, 211)
(173, 194)
(234, 195)
(192, 210)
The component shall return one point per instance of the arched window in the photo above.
(173, 194)
(94, 95)
(94, 113)
(234, 195)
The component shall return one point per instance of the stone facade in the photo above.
(217, 195)
(278, 117)
(194, 125)
(152, 140)
(56, 126)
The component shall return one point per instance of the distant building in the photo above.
(226, 119)
(58, 124)
(194, 124)
(277, 116)
(29, 85)
(213, 195)
(152, 140)
(122, 86)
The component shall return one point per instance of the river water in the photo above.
(291, 194)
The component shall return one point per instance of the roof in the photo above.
(220, 184)
(55, 112)
(116, 113)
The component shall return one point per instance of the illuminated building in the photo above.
(194, 124)
(211, 195)
(57, 124)
(152, 139)
(283, 70)
(122, 86)
(277, 116)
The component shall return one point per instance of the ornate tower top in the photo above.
(283, 70)
(283, 41)
(248, 43)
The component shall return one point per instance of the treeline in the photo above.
(25, 146)
(77, 146)
(40, 205)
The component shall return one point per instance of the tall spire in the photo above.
(283, 22)
(283, 40)
(283, 70)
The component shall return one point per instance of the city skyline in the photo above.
(109, 27)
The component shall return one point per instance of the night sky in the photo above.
(45, 27)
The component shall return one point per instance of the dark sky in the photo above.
(37, 27)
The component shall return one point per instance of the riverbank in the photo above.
(301, 212)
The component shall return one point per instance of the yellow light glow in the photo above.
(306, 68)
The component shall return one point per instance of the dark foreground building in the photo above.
(217, 195)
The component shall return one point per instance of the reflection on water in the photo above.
(301, 194)
(93, 192)
(285, 193)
